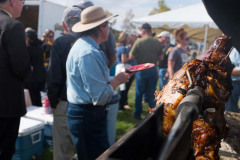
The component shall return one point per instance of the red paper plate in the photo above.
(140, 67)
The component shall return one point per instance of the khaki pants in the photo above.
(63, 147)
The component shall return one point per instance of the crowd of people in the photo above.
(74, 70)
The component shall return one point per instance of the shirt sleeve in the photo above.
(125, 51)
(55, 75)
(18, 55)
(134, 49)
(172, 55)
(94, 81)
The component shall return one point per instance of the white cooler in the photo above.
(29, 143)
(38, 113)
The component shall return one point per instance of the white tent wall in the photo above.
(50, 14)
(194, 19)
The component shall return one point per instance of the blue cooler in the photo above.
(29, 143)
(38, 113)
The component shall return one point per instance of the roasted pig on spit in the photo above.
(213, 74)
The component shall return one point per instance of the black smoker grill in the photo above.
(146, 141)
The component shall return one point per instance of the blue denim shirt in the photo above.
(235, 59)
(121, 50)
(88, 74)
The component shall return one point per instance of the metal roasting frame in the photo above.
(146, 140)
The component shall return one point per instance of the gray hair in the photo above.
(93, 31)
(71, 21)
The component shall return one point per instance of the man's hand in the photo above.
(166, 76)
(120, 78)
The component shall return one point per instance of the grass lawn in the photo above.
(124, 122)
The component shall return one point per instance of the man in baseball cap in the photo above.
(70, 17)
(146, 26)
(164, 39)
(63, 146)
(89, 86)
(163, 33)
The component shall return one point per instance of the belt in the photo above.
(91, 105)
(106, 107)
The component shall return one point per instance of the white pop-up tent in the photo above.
(46, 13)
(194, 19)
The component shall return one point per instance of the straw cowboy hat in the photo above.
(91, 17)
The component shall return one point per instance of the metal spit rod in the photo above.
(188, 111)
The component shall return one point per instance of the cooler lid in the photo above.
(28, 126)
(38, 113)
(31, 108)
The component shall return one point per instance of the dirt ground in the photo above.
(230, 147)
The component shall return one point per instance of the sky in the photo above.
(140, 8)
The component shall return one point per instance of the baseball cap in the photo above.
(146, 26)
(72, 12)
(164, 33)
(84, 4)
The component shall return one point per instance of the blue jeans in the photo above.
(146, 82)
(232, 104)
(111, 122)
(88, 128)
(162, 80)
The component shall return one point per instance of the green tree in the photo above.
(162, 7)
(127, 24)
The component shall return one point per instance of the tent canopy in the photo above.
(194, 19)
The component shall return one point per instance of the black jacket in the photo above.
(36, 60)
(166, 50)
(14, 66)
(46, 52)
(56, 79)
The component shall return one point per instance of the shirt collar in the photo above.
(91, 40)
(6, 12)
(95, 45)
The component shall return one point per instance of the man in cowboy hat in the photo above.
(89, 87)
(109, 49)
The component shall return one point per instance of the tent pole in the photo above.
(205, 38)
